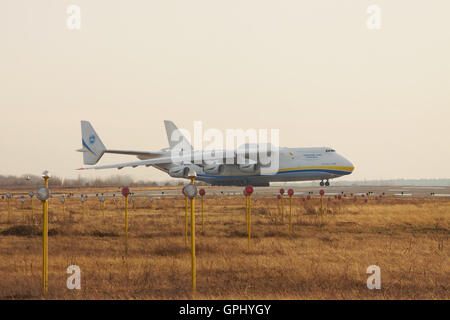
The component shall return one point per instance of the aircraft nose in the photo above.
(347, 163)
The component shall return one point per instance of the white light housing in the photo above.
(190, 190)
(8, 195)
(192, 173)
(31, 194)
(45, 174)
(43, 194)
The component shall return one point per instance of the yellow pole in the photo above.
(23, 211)
(246, 211)
(32, 210)
(321, 206)
(46, 185)
(249, 220)
(126, 224)
(103, 209)
(282, 209)
(193, 246)
(45, 242)
(9, 209)
(44, 246)
(83, 208)
(279, 209)
(186, 220)
(194, 273)
(290, 213)
(203, 225)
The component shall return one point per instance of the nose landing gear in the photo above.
(326, 184)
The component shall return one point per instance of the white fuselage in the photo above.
(295, 164)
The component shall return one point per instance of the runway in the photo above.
(407, 191)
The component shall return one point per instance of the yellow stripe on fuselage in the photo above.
(340, 168)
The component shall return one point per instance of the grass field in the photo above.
(321, 259)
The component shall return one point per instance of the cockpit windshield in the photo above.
(330, 150)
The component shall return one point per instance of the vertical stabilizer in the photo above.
(175, 136)
(92, 147)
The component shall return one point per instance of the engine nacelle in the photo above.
(179, 172)
(214, 169)
(248, 167)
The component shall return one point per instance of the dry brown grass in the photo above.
(321, 259)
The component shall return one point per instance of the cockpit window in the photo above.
(330, 150)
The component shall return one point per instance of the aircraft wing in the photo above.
(142, 155)
(133, 164)
(149, 162)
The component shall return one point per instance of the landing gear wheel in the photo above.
(321, 183)
(327, 183)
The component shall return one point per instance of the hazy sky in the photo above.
(310, 68)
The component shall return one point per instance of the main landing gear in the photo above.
(326, 184)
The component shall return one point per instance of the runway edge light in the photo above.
(248, 191)
(290, 193)
(43, 194)
(126, 192)
(202, 193)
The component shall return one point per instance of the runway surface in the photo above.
(411, 191)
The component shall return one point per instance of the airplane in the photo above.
(294, 164)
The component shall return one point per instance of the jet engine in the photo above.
(214, 168)
(248, 167)
(179, 172)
